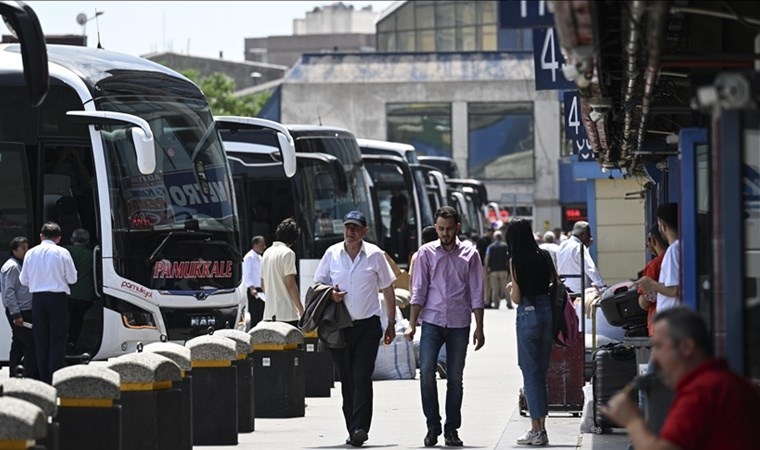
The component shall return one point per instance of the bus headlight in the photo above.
(132, 316)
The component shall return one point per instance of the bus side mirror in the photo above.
(288, 151)
(142, 135)
(23, 23)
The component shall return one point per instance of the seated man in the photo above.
(713, 408)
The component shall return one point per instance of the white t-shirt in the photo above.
(361, 278)
(278, 261)
(252, 269)
(669, 275)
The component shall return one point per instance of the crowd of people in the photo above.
(47, 289)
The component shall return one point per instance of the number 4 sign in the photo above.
(548, 61)
(574, 128)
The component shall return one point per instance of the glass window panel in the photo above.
(425, 16)
(445, 40)
(405, 17)
(444, 14)
(500, 140)
(490, 41)
(387, 24)
(386, 42)
(427, 126)
(405, 41)
(487, 12)
(467, 39)
(426, 41)
(466, 13)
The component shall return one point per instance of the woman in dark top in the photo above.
(531, 271)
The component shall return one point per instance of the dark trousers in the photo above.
(355, 364)
(22, 346)
(77, 310)
(50, 311)
(255, 308)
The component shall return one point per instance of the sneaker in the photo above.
(451, 439)
(533, 438)
(431, 438)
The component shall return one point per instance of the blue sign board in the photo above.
(574, 129)
(524, 14)
(548, 61)
(582, 148)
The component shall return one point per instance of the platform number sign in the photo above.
(574, 128)
(582, 148)
(525, 14)
(548, 61)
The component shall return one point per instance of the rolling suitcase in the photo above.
(614, 367)
(564, 381)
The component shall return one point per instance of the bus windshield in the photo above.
(175, 229)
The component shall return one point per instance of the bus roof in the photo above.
(317, 130)
(385, 145)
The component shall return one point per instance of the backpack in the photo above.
(564, 318)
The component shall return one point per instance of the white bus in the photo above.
(128, 150)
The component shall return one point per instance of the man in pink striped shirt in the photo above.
(447, 288)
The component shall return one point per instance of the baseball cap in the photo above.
(356, 218)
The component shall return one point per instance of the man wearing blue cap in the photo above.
(357, 270)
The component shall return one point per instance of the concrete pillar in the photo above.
(459, 139)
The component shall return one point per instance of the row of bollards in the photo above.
(168, 396)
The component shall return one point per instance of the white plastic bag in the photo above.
(395, 361)
(587, 416)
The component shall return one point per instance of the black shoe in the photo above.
(358, 438)
(431, 438)
(451, 439)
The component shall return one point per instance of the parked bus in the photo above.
(475, 198)
(331, 180)
(128, 150)
(393, 167)
(445, 164)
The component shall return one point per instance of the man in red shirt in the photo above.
(656, 244)
(713, 408)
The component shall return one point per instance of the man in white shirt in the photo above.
(667, 286)
(278, 271)
(252, 278)
(357, 270)
(550, 246)
(48, 271)
(569, 259)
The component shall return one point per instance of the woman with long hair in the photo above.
(532, 273)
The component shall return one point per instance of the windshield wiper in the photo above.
(171, 235)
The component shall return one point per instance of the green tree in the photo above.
(219, 91)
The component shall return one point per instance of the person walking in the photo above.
(550, 246)
(83, 291)
(18, 309)
(447, 290)
(278, 273)
(357, 270)
(252, 278)
(532, 273)
(48, 270)
(496, 265)
(569, 259)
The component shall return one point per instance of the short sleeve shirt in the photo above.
(713, 408)
(278, 262)
(670, 274)
(361, 278)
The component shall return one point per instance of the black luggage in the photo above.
(614, 366)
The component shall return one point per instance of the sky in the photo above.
(198, 28)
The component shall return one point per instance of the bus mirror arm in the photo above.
(142, 135)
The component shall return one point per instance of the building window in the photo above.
(500, 140)
(426, 126)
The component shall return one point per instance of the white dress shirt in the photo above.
(552, 248)
(252, 269)
(361, 278)
(569, 263)
(48, 268)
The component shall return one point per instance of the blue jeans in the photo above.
(534, 347)
(455, 339)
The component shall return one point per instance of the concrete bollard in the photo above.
(87, 416)
(44, 397)
(318, 367)
(150, 405)
(245, 377)
(215, 395)
(21, 423)
(279, 384)
(181, 356)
